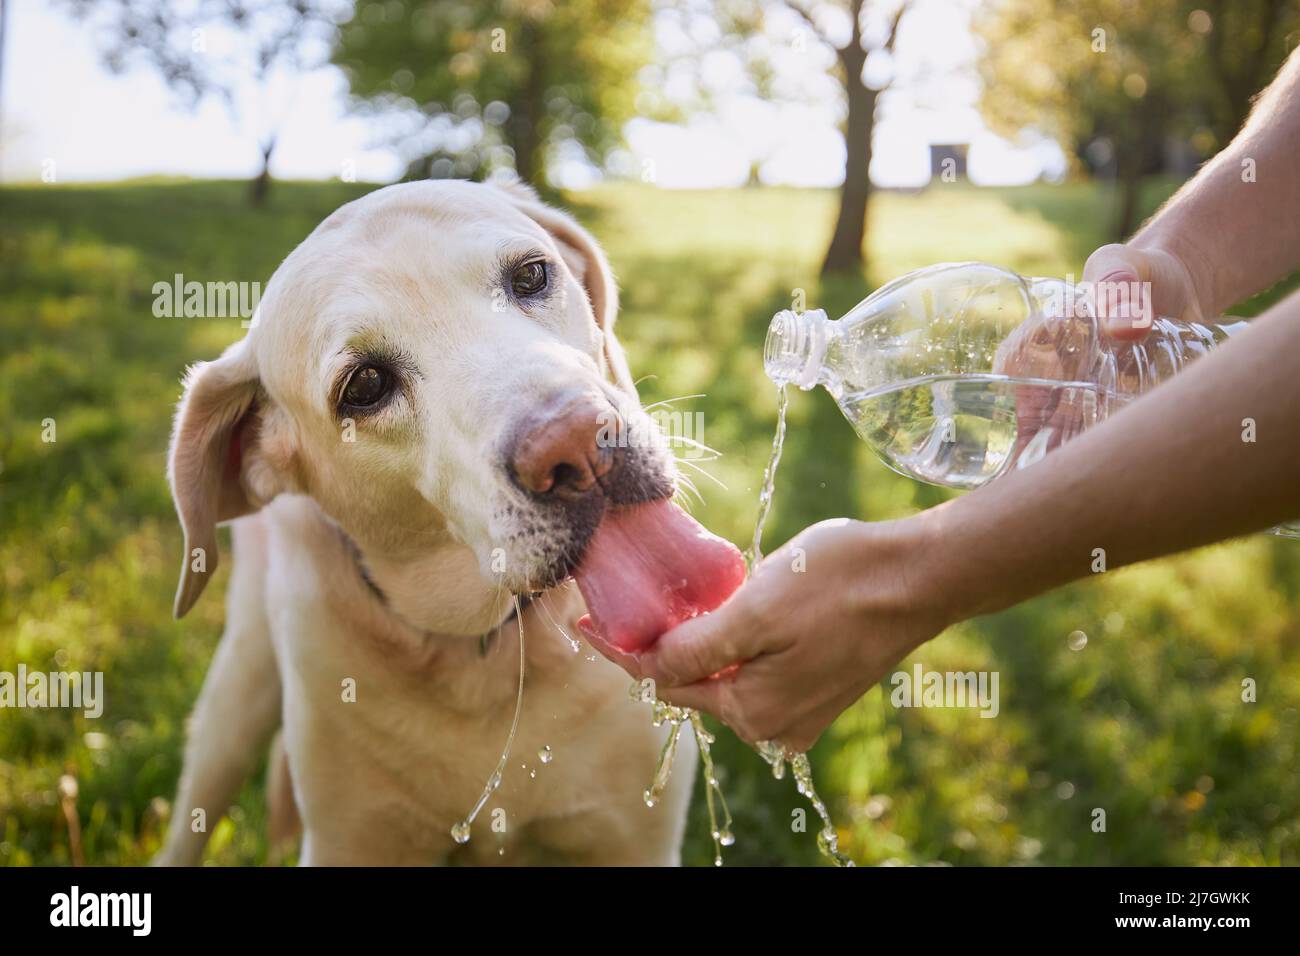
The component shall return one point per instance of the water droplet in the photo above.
(460, 832)
(545, 755)
(649, 798)
(727, 838)
(1077, 640)
(532, 774)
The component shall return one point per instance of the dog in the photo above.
(404, 447)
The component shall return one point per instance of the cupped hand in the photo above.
(819, 623)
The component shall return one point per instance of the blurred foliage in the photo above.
(1045, 65)
(188, 43)
(1115, 82)
(1146, 722)
(502, 83)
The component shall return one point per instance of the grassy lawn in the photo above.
(1146, 722)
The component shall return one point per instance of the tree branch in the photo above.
(807, 18)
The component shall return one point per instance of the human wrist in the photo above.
(956, 570)
(1174, 256)
(922, 579)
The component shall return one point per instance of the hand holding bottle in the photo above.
(1136, 284)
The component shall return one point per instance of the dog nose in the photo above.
(565, 446)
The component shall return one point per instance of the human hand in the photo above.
(1128, 287)
(1133, 286)
(819, 623)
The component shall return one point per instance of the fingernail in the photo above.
(1110, 296)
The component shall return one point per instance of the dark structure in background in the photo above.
(948, 162)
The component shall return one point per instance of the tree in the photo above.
(1114, 81)
(216, 48)
(845, 253)
(477, 85)
(4, 19)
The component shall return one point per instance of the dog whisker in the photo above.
(688, 490)
(713, 453)
(668, 402)
(541, 602)
(703, 471)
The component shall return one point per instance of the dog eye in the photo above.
(529, 278)
(366, 386)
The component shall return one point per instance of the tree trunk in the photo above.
(1135, 158)
(1128, 181)
(526, 120)
(845, 253)
(260, 187)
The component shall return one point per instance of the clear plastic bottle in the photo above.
(958, 373)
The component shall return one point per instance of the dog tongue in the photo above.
(650, 567)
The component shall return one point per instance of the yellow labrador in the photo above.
(408, 437)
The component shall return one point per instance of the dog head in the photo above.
(436, 366)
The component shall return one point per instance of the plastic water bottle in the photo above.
(958, 373)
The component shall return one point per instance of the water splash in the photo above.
(772, 752)
(828, 841)
(460, 832)
(754, 553)
(676, 718)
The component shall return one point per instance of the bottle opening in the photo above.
(795, 345)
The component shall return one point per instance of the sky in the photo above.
(66, 115)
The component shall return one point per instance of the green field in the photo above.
(1146, 722)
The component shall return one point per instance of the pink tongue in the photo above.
(650, 567)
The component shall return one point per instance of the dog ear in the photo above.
(216, 428)
(583, 255)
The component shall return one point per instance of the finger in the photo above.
(705, 695)
(702, 646)
(1120, 279)
(623, 659)
(721, 697)
(800, 734)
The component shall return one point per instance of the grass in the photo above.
(1146, 723)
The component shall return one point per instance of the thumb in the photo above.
(701, 647)
(1120, 279)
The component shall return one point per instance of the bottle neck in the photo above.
(795, 348)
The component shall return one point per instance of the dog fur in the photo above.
(376, 564)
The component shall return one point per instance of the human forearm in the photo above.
(1170, 472)
(1233, 224)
